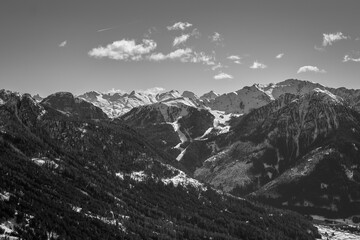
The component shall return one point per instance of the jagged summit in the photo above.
(117, 102)
(68, 104)
(209, 96)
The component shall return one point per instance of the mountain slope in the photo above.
(278, 139)
(66, 177)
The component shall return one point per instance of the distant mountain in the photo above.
(209, 96)
(249, 98)
(299, 151)
(67, 174)
(116, 103)
(67, 104)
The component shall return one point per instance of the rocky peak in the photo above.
(190, 95)
(38, 98)
(168, 95)
(209, 96)
(66, 103)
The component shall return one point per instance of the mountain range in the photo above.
(170, 165)
(258, 140)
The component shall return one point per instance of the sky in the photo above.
(48, 46)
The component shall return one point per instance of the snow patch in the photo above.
(76, 209)
(182, 179)
(109, 221)
(138, 176)
(41, 161)
(335, 234)
(180, 156)
(120, 175)
(4, 196)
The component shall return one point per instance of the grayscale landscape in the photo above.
(180, 119)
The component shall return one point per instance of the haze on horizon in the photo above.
(78, 46)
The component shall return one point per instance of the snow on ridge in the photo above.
(4, 196)
(138, 176)
(42, 161)
(109, 221)
(182, 179)
(332, 97)
(178, 177)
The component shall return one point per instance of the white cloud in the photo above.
(280, 55)
(304, 69)
(202, 58)
(181, 39)
(219, 65)
(153, 91)
(237, 62)
(124, 50)
(347, 58)
(184, 55)
(223, 76)
(258, 65)
(105, 29)
(234, 57)
(181, 54)
(330, 38)
(63, 44)
(179, 26)
(217, 38)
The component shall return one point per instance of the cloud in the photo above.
(181, 39)
(202, 57)
(177, 54)
(258, 65)
(124, 50)
(223, 76)
(234, 57)
(179, 26)
(219, 65)
(153, 91)
(217, 38)
(184, 55)
(330, 38)
(63, 44)
(347, 58)
(280, 55)
(105, 29)
(304, 69)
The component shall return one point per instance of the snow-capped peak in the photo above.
(327, 96)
